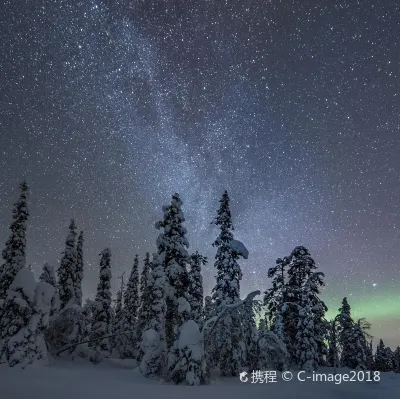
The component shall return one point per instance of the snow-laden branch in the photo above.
(249, 298)
(88, 341)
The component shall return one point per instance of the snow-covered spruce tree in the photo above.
(369, 355)
(211, 352)
(67, 325)
(153, 344)
(276, 300)
(49, 276)
(389, 356)
(101, 318)
(360, 345)
(383, 358)
(172, 253)
(67, 270)
(180, 356)
(226, 292)
(350, 339)
(25, 318)
(87, 313)
(396, 360)
(307, 357)
(117, 327)
(208, 308)
(380, 357)
(144, 304)
(14, 252)
(332, 359)
(197, 261)
(130, 313)
(249, 332)
(301, 271)
(79, 269)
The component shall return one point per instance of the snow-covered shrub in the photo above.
(26, 317)
(190, 366)
(152, 349)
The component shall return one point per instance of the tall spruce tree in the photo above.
(369, 354)
(226, 292)
(306, 346)
(302, 271)
(131, 306)
(14, 252)
(250, 332)
(102, 312)
(197, 261)
(332, 359)
(144, 304)
(67, 270)
(396, 360)
(118, 340)
(350, 338)
(153, 342)
(172, 253)
(276, 299)
(49, 276)
(79, 269)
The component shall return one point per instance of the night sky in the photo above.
(109, 107)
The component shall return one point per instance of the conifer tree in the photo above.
(226, 292)
(389, 357)
(350, 338)
(131, 305)
(396, 360)
(208, 308)
(67, 270)
(153, 344)
(49, 276)
(360, 348)
(277, 301)
(24, 320)
(14, 252)
(196, 287)
(79, 269)
(144, 304)
(332, 359)
(306, 346)
(119, 339)
(101, 318)
(250, 332)
(172, 252)
(369, 355)
(380, 357)
(211, 352)
(302, 271)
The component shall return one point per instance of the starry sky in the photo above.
(109, 107)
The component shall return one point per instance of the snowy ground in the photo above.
(116, 379)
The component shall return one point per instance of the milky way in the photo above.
(109, 107)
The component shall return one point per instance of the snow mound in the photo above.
(190, 335)
(239, 248)
(150, 339)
